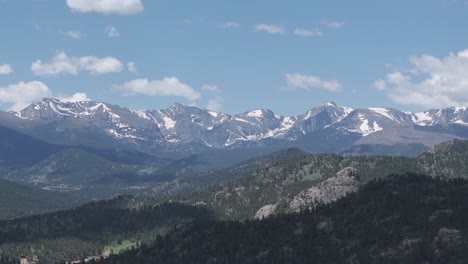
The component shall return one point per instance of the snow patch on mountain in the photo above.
(255, 113)
(366, 127)
(141, 114)
(384, 112)
(459, 109)
(422, 118)
(169, 123)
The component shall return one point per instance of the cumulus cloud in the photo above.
(215, 103)
(333, 24)
(77, 97)
(112, 32)
(61, 63)
(6, 69)
(107, 7)
(307, 32)
(269, 28)
(430, 83)
(229, 25)
(74, 34)
(169, 86)
(23, 93)
(297, 81)
(132, 67)
(210, 88)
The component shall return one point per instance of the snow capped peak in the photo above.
(459, 109)
(182, 124)
(256, 113)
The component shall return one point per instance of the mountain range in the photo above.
(181, 131)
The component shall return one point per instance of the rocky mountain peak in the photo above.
(181, 127)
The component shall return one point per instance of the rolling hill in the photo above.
(18, 200)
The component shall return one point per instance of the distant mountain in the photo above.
(199, 181)
(17, 149)
(181, 131)
(19, 200)
(76, 170)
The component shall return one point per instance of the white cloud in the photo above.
(298, 81)
(132, 67)
(229, 25)
(118, 7)
(6, 69)
(333, 24)
(269, 28)
(307, 32)
(112, 32)
(215, 104)
(77, 97)
(74, 34)
(380, 85)
(169, 86)
(22, 94)
(430, 83)
(63, 64)
(210, 88)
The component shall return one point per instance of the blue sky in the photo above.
(232, 56)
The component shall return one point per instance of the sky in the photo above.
(233, 56)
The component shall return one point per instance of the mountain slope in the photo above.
(88, 230)
(18, 200)
(277, 182)
(78, 170)
(18, 149)
(406, 219)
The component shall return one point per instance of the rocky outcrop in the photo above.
(266, 211)
(445, 147)
(346, 181)
(448, 241)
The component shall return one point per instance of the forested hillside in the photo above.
(277, 183)
(89, 229)
(404, 219)
(19, 200)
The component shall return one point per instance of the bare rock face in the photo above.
(444, 146)
(266, 211)
(346, 181)
(448, 240)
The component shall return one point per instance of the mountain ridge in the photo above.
(189, 129)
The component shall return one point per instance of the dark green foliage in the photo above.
(394, 220)
(86, 230)
(18, 200)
